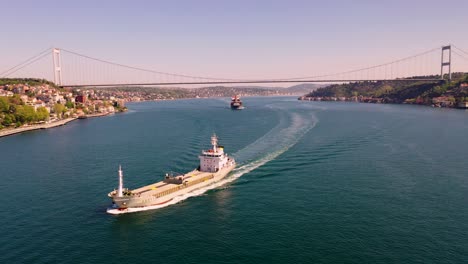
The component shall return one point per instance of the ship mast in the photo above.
(214, 142)
(120, 190)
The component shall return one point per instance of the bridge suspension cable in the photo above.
(362, 69)
(461, 54)
(26, 63)
(146, 70)
(460, 49)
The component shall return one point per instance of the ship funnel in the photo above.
(120, 190)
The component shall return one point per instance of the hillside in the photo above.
(303, 88)
(160, 93)
(397, 92)
(26, 81)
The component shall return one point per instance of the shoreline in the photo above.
(13, 131)
(380, 101)
(95, 115)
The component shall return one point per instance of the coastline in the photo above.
(99, 114)
(375, 100)
(12, 131)
(9, 132)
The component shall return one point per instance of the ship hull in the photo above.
(237, 107)
(151, 195)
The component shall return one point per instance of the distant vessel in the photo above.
(236, 103)
(214, 166)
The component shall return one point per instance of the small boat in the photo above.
(236, 103)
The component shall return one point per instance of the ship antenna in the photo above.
(214, 142)
(120, 190)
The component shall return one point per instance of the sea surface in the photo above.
(317, 182)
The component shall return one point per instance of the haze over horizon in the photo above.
(261, 39)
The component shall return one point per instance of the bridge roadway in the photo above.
(250, 82)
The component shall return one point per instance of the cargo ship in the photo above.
(215, 165)
(236, 103)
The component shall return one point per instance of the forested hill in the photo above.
(400, 91)
(26, 81)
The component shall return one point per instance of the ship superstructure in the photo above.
(214, 166)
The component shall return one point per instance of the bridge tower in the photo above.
(444, 63)
(57, 66)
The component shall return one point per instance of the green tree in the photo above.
(8, 119)
(25, 114)
(16, 100)
(70, 105)
(42, 114)
(59, 109)
(4, 104)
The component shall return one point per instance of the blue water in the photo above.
(316, 183)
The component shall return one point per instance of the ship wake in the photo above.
(292, 126)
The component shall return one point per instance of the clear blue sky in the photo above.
(234, 39)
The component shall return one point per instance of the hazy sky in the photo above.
(233, 39)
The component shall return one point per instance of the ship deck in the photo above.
(161, 186)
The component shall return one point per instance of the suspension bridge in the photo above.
(68, 68)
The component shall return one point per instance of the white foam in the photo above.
(286, 134)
